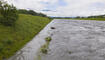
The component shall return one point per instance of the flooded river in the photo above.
(71, 40)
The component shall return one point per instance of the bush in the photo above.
(8, 21)
(8, 14)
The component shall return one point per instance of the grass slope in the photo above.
(26, 28)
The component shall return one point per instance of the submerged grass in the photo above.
(44, 48)
(48, 39)
(14, 38)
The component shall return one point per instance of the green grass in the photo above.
(14, 38)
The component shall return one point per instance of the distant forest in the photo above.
(98, 16)
(31, 12)
(95, 16)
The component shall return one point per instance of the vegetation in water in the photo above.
(48, 39)
(44, 48)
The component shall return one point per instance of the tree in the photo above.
(8, 14)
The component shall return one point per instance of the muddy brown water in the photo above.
(71, 40)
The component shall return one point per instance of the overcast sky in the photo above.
(67, 8)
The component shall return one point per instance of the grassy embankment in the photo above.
(27, 26)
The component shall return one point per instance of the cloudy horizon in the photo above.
(63, 8)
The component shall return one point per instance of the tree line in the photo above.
(97, 16)
(31, 12)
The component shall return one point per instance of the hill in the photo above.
(14, 38)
